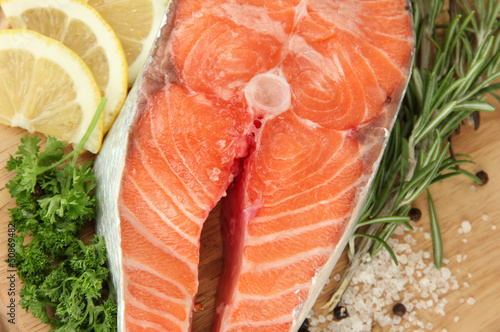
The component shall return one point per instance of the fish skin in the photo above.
(245, 208)
(110, 161)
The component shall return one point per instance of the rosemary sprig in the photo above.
(455, 68)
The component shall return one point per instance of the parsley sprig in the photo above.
(65, 282)
(456, 66)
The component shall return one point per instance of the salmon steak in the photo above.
(279, 109)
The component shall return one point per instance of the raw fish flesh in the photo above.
(281, 107)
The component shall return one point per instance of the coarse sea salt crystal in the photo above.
(214, 176)
(471, 301)
(445, 273)
(466, 226)
(494, 227)
(439, 309)
(410, 239)
(380, 284)
(485, 217)
(399, 231)
(357, 324)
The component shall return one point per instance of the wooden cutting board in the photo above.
(456, 200)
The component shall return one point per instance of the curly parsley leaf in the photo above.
(65, 282)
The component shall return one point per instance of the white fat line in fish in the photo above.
(163, 217)
(363, 38)
(146, 324)
(302, 256)
(300, 11)
(162, 295)
(133, 301)
(137, 225)
(252, 17)
(286, 318)
(300, 47)
(326, 183)
(297, 288)
(174, 198)
(282, 235)
(266, 218)
(164, 157)
(134, 264)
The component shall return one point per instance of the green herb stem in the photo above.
(90, 130)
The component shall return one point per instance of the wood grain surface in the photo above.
(456, 200)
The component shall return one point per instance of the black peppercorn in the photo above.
(399, 309)
(340, 312)
(483, 176)
(415, 214)
(38, 190)
(305, 326)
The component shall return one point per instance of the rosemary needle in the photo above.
(437, 244)
(456, 66)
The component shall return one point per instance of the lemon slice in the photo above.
(136, 23)
(81, 28)
(46, 87)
